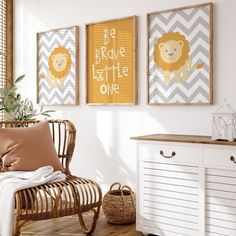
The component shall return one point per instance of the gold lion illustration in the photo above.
(59, 64)
(171, 54)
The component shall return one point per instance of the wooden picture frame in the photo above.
(111, 62)
(180, 56)
(57, 66)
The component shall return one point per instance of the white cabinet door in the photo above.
(168, 202)
(220, 202)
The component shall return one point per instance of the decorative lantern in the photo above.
(224, 123)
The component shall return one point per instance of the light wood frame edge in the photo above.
(76, 65)
(211, 32)
(135, 62)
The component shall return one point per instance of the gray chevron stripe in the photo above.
(42, 55)
(156, 28)
(153, 69)
(46, 37)
(185, 84)
(71, 74)
(179, 26)
(188, 30)
(153, 81)
(68, 42)
(50, 36)
(199, 77)
(50, 46)
(57, 96)
(43, 66)
(51, 95)
(195, 11)
(199, 49)
(198, 91)
(45, 86)
(63, 33)
(55, 38)
(182, 21)
(163, 17)
(172, 95)
(199, 35)
(177, 91)
(181, 13)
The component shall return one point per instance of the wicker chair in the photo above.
(52, 200)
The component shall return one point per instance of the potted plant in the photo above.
(17, 109)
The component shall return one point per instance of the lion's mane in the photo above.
(53, 70)
(175, 65)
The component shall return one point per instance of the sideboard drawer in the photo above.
(217, 156)
(170, 153)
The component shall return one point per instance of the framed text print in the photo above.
(180, 55)
(111, 62)
(57, 66)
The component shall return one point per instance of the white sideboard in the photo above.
(186, 186)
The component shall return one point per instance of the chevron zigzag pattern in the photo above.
(194, 23)
(48, 95)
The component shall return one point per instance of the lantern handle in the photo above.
(227, 105)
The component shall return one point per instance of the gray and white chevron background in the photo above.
(47, 41)
(194, 23)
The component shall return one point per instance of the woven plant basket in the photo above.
(119, 205)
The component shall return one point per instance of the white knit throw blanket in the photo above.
(11, 182)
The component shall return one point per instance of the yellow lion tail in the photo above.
(44, 77)
(199, 66)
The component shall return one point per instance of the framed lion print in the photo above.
(57, 67)
(111, 64)
(180, 55)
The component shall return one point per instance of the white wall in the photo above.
(104, 150)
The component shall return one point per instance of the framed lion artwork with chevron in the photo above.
(57, 69)
(180, 60)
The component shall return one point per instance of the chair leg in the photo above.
(17, 228)
(89, 230)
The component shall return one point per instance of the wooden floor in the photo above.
(69, 226)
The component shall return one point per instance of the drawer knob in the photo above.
(172, 154)
(232, 159)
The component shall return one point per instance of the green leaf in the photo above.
(48, 111)
(20, 78)
(46, 115)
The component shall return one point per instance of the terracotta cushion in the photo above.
(28, 148)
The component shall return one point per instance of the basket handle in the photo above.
(116, 183)
(127, 187)
(132, 195)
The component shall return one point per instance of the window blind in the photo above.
(6, 33)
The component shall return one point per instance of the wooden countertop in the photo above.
(183, 139)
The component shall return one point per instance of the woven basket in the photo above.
(119, 205)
